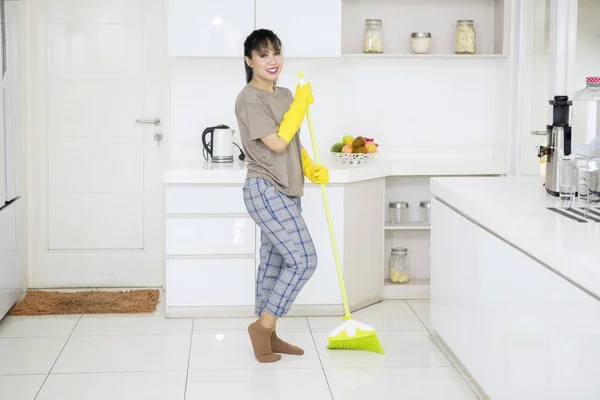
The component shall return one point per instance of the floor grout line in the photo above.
(187, 371)
(59, 354)
(319, 357)
(418, 317)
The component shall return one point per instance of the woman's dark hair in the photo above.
(258, 40)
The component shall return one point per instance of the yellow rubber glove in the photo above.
(293, 118)
(315, 173)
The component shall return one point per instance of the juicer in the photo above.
(558, 144)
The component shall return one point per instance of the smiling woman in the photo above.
(269, 118)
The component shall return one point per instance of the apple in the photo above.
(347, 140)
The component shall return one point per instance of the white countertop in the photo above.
(515, 209)
(199, 171)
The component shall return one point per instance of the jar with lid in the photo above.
(586, 118)
(425, 211)
(373, 40)
(465, 37)
(398, 265)
(398, 212)
(419, 42)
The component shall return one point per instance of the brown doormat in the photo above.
(41, 302)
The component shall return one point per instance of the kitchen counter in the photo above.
(515, 289)
(515, 209)
(199, 171)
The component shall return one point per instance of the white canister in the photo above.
(420, 41)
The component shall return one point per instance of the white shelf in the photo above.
(415, 289)
(400, 55)
(410, 226)
(402, 17)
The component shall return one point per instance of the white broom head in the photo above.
(350, 328)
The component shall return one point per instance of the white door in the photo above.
(96, 201)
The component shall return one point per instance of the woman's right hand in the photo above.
(304, 94)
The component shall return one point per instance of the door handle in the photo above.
(156, 121)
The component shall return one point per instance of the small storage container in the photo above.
(398, 212)
(425, 212)
(420, 41)
(398, 265)
(465, 37)
(373, 42)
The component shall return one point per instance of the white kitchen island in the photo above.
(515, 288)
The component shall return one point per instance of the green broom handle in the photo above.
(336, 255)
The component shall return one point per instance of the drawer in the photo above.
(206, 236)
(205, 200)
(210, 282)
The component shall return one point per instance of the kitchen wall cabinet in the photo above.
(312, 28)
(209, 28)
(218, 29)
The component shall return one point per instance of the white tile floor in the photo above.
(148, 357)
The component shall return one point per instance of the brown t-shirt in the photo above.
(259, 114)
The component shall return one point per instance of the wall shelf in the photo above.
(410, 226)
(402, 17)
(400, 55)
(415, 289)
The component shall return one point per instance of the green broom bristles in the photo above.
(352, 335)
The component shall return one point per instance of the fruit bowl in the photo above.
(353, 158)
(354, 151)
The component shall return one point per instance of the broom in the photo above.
(351, 335)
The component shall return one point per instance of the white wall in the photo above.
(421, 108)
(587, 59)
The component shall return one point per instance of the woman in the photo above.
(269, 119)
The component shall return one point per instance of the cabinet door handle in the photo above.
(155, 121)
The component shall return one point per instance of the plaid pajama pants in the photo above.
(287, 254)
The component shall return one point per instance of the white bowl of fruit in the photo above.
(357, 150)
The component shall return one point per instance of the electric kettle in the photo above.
(219, 146)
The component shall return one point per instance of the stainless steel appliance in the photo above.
(220, 144)
(558, 144)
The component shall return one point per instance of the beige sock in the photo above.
(261, 343)
(280, 346)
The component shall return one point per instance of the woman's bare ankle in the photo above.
(267, 321)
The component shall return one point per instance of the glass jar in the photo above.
(586, 118)
(420, 41)
(566, 181)
(425, 210)
(398, 266)
(398, 212)
(465, 37)
(373, 41)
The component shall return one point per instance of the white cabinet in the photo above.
(12, 282)
(312, 28)
(209, 28)
(213, 250)
(323, 287)
(219, 28)
(521, 331)
(210, 236)
(225, 282)
(210, 251)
